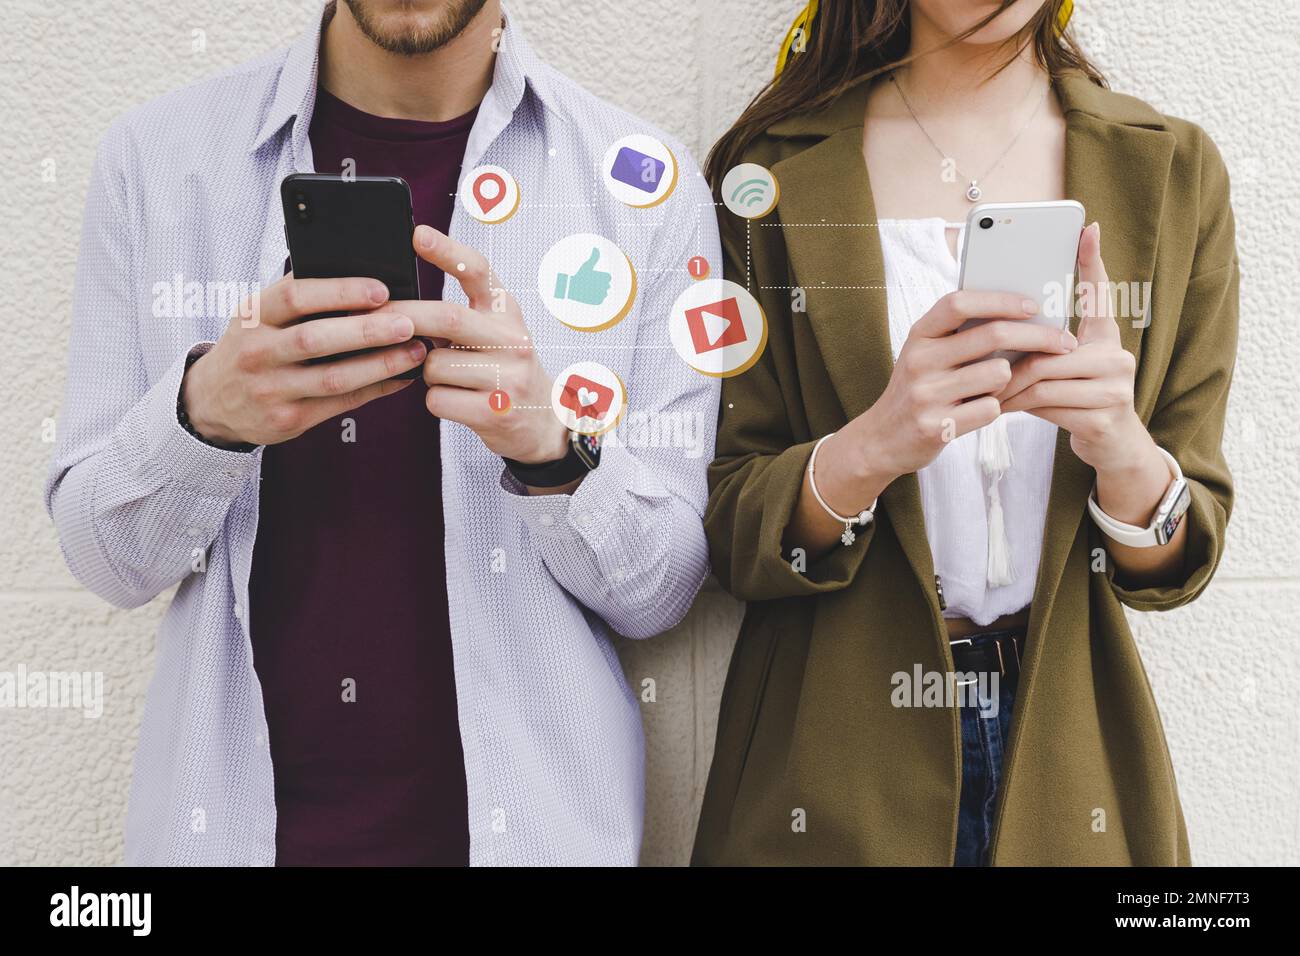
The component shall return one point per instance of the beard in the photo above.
(406, 33)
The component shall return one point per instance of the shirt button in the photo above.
(239, 611)
(619, 576)
(193, 532)
(546, 521)
(259, 740)
(584, 521)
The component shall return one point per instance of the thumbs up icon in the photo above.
(587, 282)
(588, 285)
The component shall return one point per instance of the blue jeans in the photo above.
(984, 736)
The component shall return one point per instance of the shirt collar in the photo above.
(517, 69)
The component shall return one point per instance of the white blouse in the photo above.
(919, 269)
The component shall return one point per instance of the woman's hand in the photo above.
(1089, 392)
(941, 388)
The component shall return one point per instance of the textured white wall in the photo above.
(1224, 669)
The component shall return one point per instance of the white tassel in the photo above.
(995, 448)
(995, 461)
(1000, 572)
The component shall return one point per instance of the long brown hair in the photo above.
(852, 39)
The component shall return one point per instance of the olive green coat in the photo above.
(814, 764)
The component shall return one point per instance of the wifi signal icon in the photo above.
(750, 190)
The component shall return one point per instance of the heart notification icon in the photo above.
(588, 398)
(585, 398)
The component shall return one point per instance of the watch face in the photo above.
(1172, 517)
(587, 448)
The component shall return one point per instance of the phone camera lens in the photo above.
(986, 223)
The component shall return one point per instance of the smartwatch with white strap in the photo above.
(1169, 514)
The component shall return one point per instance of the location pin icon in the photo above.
(488, 202)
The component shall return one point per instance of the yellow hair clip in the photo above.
(797, 36)
(1063, 16)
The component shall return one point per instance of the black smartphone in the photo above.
(359, 226)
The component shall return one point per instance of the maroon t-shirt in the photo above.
(351, 639)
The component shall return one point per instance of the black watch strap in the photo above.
(583, 455)
(184, 419)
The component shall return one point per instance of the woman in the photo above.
(858, 501)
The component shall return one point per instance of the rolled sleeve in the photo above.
(132, 494)
(1205, 520)
(622, 544)
(589, 514)
(629, 543)
(1191, 410)
(132, 514)
(751, 508)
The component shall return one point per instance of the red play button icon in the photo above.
(715, 325)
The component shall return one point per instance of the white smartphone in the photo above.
(1029, 248)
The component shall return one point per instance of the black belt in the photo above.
(990, 652)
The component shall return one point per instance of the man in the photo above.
(388, 642)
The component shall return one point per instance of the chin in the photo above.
(413, 27)
(954, 17)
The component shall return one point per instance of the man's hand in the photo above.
(489, 349)
(252, 387)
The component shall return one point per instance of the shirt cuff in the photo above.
(173, 451)
(593, 508)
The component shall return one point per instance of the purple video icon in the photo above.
(637, 169)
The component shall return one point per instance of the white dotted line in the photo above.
(570, 348)
(494, 365)
(833, 225)
(808, 288)
(748, 285)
